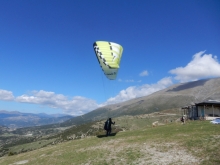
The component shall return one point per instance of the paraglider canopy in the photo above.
(109, 56)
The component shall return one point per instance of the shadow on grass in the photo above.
(101, 136)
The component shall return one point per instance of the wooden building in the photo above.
(207, 110)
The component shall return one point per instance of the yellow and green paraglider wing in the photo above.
(109, 57)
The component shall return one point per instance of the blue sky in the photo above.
(47, 61)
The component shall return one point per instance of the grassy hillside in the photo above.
(196, 142)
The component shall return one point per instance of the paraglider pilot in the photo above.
(108, 127)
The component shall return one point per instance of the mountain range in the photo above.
(173, 97)
(15, 119)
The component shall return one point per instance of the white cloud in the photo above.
(80, 105)
(76, 106)
(129, 80)
(201, 66)
(6, 95)
(144, 73)
(138, 91)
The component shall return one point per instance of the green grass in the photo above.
(198, 138)
(30, 146)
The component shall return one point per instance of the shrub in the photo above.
(11, 153)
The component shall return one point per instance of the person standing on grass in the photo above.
(183, 119)
(108, 126)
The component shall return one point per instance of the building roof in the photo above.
(209, 102)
